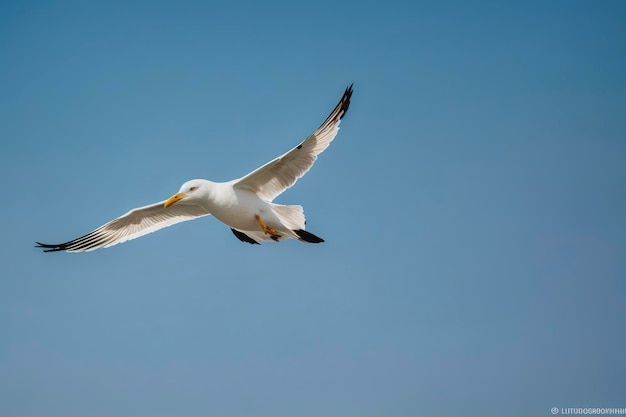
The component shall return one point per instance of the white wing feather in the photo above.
(276, 176)
(137, 222)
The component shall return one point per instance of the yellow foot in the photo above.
(267, 230)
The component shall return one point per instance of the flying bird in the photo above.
(244, 204)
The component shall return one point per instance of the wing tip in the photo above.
(244, 237)
(51, 248)
(344, 103)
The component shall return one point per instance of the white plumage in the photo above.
(244, 204)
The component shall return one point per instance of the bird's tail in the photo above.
(292, 217)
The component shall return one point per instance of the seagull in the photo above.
(244, 204)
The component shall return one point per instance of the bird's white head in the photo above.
(189, 191)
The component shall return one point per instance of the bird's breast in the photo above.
(237, 207)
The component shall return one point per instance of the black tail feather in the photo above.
(308, 237)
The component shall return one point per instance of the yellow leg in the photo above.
(266, 229)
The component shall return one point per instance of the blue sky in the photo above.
(472, 205)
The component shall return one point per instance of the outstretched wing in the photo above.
(276, 176)
(135, 223)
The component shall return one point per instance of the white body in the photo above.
(238, 209)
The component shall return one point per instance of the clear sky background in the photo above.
(473, 206)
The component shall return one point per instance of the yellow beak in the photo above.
(173, 199)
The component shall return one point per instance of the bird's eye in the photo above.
(193, 188)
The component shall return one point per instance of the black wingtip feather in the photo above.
(308, 237)
(244, 237)
(345, 101)
(51, 248)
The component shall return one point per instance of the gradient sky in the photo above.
(473, 206)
